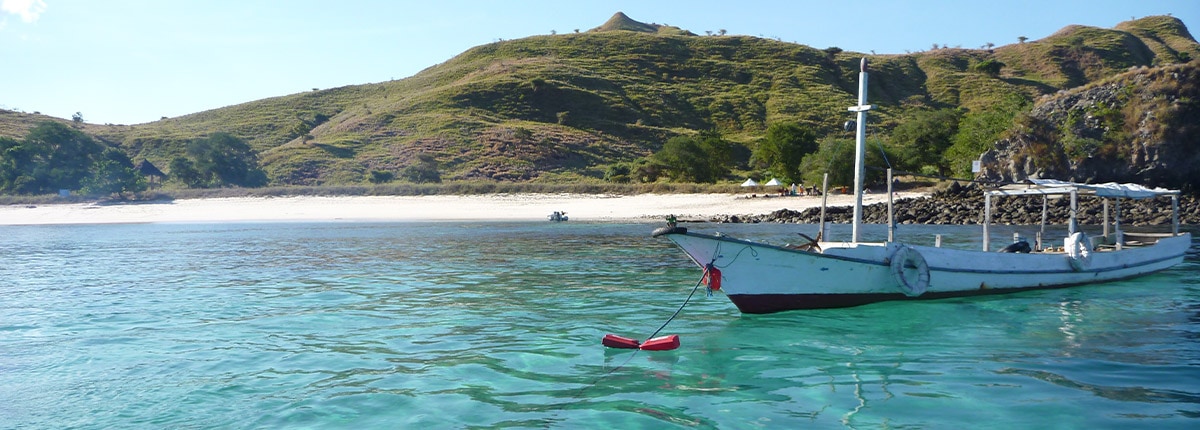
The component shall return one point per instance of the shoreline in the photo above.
(487, 207)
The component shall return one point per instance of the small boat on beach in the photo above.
(557, 216)
(763, 278)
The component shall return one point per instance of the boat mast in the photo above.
(860, 144)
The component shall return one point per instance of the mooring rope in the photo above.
(685, 301)
(634, 354)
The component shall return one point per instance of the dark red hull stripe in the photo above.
(768, 303)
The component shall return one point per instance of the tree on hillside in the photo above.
(424, 170)
(380, 176)
(618, 173)
(979, 130)
(11, 157)
(61, 156)
(52, 156)
(113, 174)
(718, 152)
(836, 157)
(923, 138)
(989, 67)
(184, 172)
(684, 159)
(783, 149)
(217, 161)
(644, 170)
(228, 160)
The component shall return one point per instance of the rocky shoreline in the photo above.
(963, 205)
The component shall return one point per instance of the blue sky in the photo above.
(134, 61)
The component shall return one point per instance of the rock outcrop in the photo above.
(964, 205)
(1142, 126)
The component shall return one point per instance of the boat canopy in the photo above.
(1052, 187)
(1056, 187)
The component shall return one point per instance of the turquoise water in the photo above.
(485, 325)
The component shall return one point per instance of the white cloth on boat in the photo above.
(1109, 189)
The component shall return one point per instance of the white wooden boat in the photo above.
(762, 278)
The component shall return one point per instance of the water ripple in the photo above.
(498, 325)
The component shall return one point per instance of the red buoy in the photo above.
(614, 341)
(663, 343)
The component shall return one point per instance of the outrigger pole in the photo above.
(859, 147)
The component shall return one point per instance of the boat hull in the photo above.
(762, 278)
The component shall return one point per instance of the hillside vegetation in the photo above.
(564, 107)
(1139, 126)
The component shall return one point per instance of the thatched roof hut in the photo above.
(146, 168)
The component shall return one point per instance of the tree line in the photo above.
(53, 156)
(938, 142)
(932, 142)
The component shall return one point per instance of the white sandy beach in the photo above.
(507, 207)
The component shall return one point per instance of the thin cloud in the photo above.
(28, 10)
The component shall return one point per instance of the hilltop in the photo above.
(563, 107)
(622, 22)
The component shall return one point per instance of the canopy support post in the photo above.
(1120, 237)
(824, 199)
(1175, 214)
(1106, 217)
(987, 219)
(891, 212)
(1074, 223)
(1044, 210)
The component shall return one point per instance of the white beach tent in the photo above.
(773, 183)
(750, 183)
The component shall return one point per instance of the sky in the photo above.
(136, 61)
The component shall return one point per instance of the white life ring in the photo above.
(904, 260)
(1079, 253)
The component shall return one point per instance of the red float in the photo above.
(712, 278)
(663, 343)
(614, 341)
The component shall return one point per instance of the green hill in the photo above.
(563, 107)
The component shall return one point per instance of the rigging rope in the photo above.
(884, 153)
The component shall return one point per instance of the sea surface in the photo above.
(498, 325)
